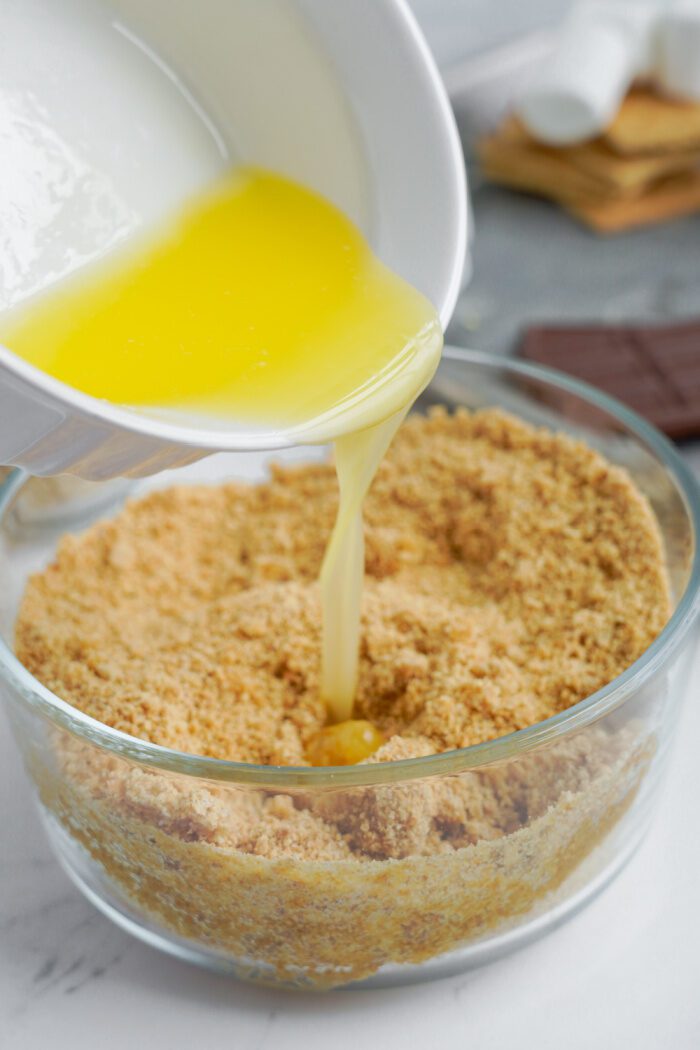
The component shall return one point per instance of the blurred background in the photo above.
(533, 262)
(459, 29)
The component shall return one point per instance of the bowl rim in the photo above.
(576, 717)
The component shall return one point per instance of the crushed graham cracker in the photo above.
(510, 572)
(317, 892)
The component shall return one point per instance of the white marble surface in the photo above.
(624, 973)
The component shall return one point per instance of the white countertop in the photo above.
(624, 973)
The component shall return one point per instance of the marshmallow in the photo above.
(678, 49)
(577, 91)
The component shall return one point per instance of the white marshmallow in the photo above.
(678, 49)
(575, 94)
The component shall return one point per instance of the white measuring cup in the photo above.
(110, 115)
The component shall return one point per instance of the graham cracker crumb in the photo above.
(510, 572)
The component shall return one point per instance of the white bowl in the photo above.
(123, 111)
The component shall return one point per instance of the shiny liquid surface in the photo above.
(260, 306)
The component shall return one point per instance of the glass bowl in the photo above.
(142, 829)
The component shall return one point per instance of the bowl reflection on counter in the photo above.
(153, 837)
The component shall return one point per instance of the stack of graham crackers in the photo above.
(643, 169)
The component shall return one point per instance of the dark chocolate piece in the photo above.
(654, 370)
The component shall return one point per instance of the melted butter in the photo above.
(357, 456)
(344, 744)
(259, 304)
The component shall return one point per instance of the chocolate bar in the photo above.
(654, 370)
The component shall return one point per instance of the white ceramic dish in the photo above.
(123, 110)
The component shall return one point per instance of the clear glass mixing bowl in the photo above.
(144, 831)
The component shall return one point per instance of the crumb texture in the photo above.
(510, 572)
